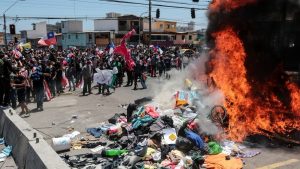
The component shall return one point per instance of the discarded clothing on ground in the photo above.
(147, 137)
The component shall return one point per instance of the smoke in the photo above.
(207, 98)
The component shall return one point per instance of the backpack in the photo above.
(36, 75)
(1, 68)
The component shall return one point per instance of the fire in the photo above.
(228, 5)
(252, 108)
(295, 97)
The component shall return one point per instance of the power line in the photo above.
(175, 2)
(160, 5)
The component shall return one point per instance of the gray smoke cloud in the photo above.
(208, 96)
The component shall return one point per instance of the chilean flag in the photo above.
(51, 40)
(110, 48)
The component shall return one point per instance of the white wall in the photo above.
(40, 31)
(106, 25)
(72, 26)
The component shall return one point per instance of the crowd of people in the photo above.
(35, 75)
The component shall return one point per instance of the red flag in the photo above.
(47, 42)
(47, 91)
(122, 50)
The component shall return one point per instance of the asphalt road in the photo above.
(91, 110)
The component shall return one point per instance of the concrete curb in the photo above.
(28, 153)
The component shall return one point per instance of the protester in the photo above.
(138, 74)
(37, 78)
(5, 70)
(70, 74)
(87, 78)
(19, 84)
(59, 78)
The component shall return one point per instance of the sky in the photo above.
(95, 8)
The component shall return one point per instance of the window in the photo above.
(161, 26)
(62, 37)
(69, 36)
(190, 37)
(76, 36)
(182, 37)
(168, 26)
(63, 25)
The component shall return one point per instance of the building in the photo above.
(38, 31)
(184, 38)
(113, 15)
(10, 38)
(80, 40)
(189, 28)
(162, 33)
(71, 26)
(114, 28)
(85, 39)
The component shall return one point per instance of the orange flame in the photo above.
(228, 5)
(249, 112)
(295, 97)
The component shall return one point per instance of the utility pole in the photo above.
(150, 24)
(4, 27)
(4, 20)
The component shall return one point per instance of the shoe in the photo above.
(20, 114)
(27, 115)
(134, 88)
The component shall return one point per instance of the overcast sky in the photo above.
(96, 8)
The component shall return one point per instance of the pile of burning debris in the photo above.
(148, 137)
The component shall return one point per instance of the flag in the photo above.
(17, 54)
(51, 40)
(110, 48)
(122, 50)
(64, 81)
(47, 91)
(26, 45)
(80, 84)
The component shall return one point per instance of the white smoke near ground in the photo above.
(208, 96)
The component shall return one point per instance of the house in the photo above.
(38, 31)
(163, 32)
(80, 40)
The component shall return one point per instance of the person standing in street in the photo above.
(70, 74)
(129, 76)
(37, 78)
(138, 74)
(5, 70)
(19, 84)
(58, 79)
(87, 78)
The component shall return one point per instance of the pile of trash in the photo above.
(148, 137)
